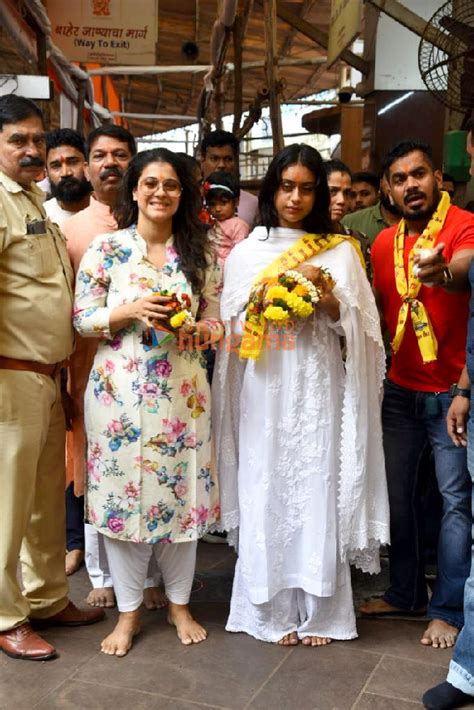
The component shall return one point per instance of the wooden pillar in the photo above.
(218, 98)
(271, 70)
(352, 122)
(80, 107)
(105, 92)
(43, 69)
(238, 87)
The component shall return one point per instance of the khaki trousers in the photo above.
(32, 517)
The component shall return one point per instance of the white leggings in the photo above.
(128, 562)
(98, 567)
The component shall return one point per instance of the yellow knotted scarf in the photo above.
(307, 246)
(427, 342)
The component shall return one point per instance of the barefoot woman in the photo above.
(147, 408)
(298, 431)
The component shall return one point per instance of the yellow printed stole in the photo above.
(307, 246)
(408, 291)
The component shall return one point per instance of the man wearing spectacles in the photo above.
(220, 151)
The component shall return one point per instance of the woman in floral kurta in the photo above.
(147, 408)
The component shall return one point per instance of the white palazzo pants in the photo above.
(128, 563)
(294, 610)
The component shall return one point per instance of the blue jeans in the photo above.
(410, 420)
(74, 520)
(461, 669)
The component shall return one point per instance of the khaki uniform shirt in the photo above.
(36, 279)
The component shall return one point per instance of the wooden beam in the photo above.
(401, 14)
(14, 25)
(410, 20)
(271, 72)
(239, 30)
(319, 37)
(155, 116)
(143, 71)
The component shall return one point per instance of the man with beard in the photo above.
(422, 288)
(371, 220)
(36, 338)
(109, 148)
(65, 164)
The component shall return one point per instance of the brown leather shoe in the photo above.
(70, 616)
(22, 642)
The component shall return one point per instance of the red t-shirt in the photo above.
(448, 312)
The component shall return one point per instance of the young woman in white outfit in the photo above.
(298, 433)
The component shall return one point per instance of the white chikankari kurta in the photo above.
(147, 409)
(299, 439)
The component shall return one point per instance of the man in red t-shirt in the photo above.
(422, 289)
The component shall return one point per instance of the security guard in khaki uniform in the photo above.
(36, 338)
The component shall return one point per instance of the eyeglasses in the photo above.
(151, 185)
(305, 188)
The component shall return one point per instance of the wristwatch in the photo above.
(447, 276)
(455, 391)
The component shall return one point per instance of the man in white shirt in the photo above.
(65, 164)
(220, 151)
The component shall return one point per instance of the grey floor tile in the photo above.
(370, 701)
(404, 678)
(214, 613)
(399, 638)
(323, 678)
(24, 683)
(74, 695)
(209, 555)
(226, 669)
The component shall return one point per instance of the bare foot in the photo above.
(289, 639)
(74, 560)
(316, 641)
(379, 607)
(154, 598)
(188, 630)
(119, 642)
(103, 596)
(439, 634)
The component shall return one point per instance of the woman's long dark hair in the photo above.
(318, 220)
(190, 236)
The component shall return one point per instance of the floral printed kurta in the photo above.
(147, 409)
